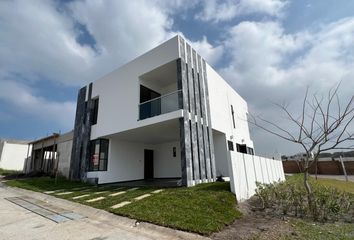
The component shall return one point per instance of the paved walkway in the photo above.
(17, 223)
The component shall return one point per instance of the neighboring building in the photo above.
(13, 154)
(166, 114)
(51, 154)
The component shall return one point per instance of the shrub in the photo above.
(290, 198)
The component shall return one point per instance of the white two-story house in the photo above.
(166, 114)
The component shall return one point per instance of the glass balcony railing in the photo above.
(157, 106)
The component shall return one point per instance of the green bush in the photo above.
(290, 198)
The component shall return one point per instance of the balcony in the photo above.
(160, 105)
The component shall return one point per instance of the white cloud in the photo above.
(24, 100)
(220, 10)
(212, 54)
(269, 65)
(39, 43)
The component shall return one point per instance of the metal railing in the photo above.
(160, 105)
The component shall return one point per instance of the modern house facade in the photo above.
(166, 114)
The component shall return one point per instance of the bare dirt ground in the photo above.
(255, 225)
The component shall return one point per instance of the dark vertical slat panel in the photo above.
(195, 156)
(198, 114)
(210, 130)
(78, 135)
(185, 138)
(205, 121)
(87, 135)
(182, 49)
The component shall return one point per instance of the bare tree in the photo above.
(324, 124)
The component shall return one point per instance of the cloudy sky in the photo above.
(268, 50)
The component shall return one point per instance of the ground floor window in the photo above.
(98, 155)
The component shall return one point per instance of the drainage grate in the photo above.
(45, 209)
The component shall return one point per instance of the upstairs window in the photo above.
(233, 116)
(94, 111)
(98, 155)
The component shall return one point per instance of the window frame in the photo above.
(94, 117)
(102, 161)
(230, 145)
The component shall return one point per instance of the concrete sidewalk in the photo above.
(337, 177)
(17, 223)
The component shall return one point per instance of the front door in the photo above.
(148, 164)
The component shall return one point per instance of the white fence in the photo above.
(245, 170)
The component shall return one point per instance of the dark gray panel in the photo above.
(84, 166)
(82, 133)
(181, 49)
(193, 123)
(78, 136)
(210, 130)
(198, 114)
(185, 137)
(205, 121)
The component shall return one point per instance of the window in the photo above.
(174, 152)
(250, 151)
(233, 116)
(94, 111)
(242, 148)
(230, 144)
(98, 155)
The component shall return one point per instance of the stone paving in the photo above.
(142, 197)
(119, 204)
(117, 193)
(81, 196)
(157, 191)
(95, 199)
(63, 193)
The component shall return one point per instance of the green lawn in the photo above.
(317, 231)
(5, 172)
(341, 185)
(203, 209)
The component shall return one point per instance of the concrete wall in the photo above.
(13, 156)
(64, 150)
(165, 165)
(323, 167)
(246, 170)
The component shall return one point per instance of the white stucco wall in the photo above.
(125, 162)
(246, 170)
(119, 90)
(221, 154)
(221, 97)
(165, 165)
(13, 156)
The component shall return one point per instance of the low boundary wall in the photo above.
(323, 167)
(245, 170)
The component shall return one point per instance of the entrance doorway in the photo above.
(148, 164)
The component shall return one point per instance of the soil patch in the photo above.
(255, 225)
